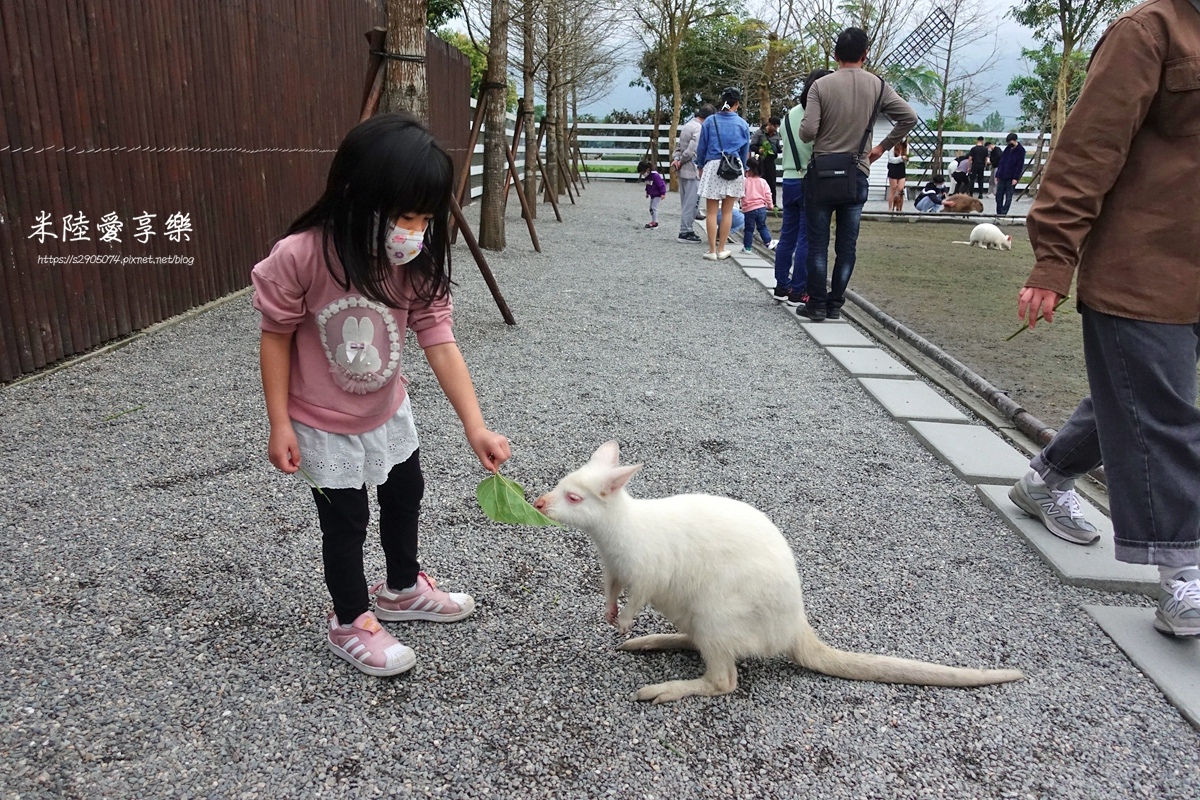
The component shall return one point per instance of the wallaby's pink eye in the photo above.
(573, 498)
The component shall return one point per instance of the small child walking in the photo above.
(368, 262)
(656, 189)
(755, 203)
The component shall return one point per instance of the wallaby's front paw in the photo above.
(624, 625)
(610, 614)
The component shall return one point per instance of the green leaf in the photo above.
(504, 501)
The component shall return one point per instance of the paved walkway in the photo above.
(165, 601)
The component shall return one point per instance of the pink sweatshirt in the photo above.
(347, 352)
(758, 194)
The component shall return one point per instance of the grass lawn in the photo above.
(964, 300)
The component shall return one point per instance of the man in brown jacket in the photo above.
(1120, 202)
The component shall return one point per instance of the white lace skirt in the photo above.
(714, 187)
(348, 461)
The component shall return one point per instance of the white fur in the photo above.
(723, 575)
(988, 236)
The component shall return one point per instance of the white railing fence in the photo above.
(613, 150)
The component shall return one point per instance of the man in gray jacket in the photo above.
(840, 110)
(683, 162)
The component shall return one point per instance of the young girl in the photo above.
(755, 202)
(896, 176)
(656, 189)
(337, 293)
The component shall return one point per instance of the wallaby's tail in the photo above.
(967, 243)
(812, 653)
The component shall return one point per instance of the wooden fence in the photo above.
(152, 151)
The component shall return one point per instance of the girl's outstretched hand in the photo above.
(490, 447)
(283, 449)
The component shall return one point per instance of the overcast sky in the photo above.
(1011, 37)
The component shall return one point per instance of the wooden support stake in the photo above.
(488, 278)
(553, 200)
(525, 210)
(516, 140)
(464, 178)
(582, 161)
(373, 90)
(562, 164)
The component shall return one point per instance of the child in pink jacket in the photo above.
(755, 203)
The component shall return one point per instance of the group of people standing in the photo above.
(835, 110)
(1008, 165)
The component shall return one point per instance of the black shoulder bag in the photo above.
(730, 165)
(832, 178)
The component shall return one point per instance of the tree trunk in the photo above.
(528, 43)
(404, 88)
(551, 128)
(1062, 95)
(564, 140)
(573, 135)
(676, 108)
(764, 88)
(495, 140)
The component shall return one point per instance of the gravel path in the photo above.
(165, 602)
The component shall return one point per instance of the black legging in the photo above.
(979, 179)
(344, 516)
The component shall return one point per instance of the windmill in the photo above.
(922, 141)
(909, 54)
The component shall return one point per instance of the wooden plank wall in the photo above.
(226, 111)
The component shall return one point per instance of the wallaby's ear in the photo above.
(616, 479)
(607, 454)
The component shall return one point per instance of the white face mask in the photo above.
(403, 245)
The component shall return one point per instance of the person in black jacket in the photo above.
(979, 162)
(993, 163)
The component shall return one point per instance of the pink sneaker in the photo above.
(426, 602)
(366, 645)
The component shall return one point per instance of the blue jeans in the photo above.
(735, 227)
(818, 219)
(1004, 196)
(756, 219)
(792, 250)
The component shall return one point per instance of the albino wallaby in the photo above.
(722, 574)
(988, 236)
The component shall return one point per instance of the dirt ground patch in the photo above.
(964, 300)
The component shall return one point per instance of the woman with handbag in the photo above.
(723, 149)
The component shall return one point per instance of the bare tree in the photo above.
(971, 22)
(665, 23)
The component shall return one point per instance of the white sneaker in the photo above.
(771, 244)
(710, 256)
(1060, 511)
(1178, 612)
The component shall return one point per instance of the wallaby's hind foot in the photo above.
(719, 678)
(658, 641)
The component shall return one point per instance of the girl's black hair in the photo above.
(387, 166)
(809, 81)
(643, 166)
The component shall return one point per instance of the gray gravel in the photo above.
(165, 602)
